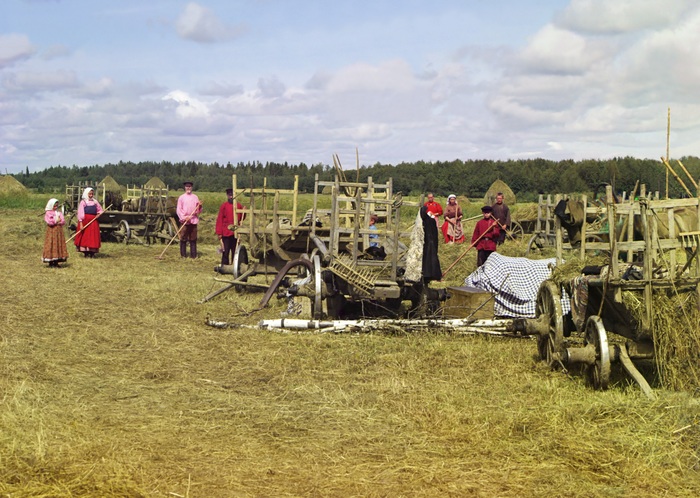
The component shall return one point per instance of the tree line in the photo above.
(526, 177)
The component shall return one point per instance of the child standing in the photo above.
(55, 250)
(485, 235)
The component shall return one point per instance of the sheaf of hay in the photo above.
(676, 335)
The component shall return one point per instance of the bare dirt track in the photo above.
(111, 385)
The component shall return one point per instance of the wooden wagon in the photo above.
(326, 254)
(652, 253)
(146, 216)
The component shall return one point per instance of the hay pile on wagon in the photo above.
(112, 192)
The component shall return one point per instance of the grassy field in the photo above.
(111, 384)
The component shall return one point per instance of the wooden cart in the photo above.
(325, 255)
(652, 250)
(146, 216)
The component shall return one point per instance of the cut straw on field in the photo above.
(111, 385)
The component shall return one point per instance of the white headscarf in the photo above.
(451, 196)
(85, 193)
(50, 204)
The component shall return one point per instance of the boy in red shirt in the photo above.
(486, 232)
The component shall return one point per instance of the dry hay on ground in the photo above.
(495, 188)
(10, 185)
(117, 388)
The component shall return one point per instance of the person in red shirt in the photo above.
(224, 223)
(434, 208)
(486, 232)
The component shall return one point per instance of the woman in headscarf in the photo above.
(55, 250)
(452, 227)
(87, 239)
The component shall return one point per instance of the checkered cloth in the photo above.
(514, 283)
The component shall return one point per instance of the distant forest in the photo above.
(526, 177)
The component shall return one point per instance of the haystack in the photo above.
(496, 187)
(155, 182)
(9, 185)
(110, 184)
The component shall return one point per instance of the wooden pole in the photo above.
(675, 175)
(89, 223)
(668, 142)
(495, 222)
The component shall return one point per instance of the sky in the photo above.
(90, 82)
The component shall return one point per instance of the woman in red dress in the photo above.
(87, 239)
(452, 227)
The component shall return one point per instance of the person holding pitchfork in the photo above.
(188, 209)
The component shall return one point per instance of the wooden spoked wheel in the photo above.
(550, 343)
(123, 232)
(240, 264)
(317, 301)
(538, 242)
(515, 232)
(598, 373)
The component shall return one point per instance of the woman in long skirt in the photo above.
(452, 227)
(55, 250)
(87, 239)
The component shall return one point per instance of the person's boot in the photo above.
(193, 249)
(183, 249)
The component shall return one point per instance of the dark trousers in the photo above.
(481, 256)
(229, 249)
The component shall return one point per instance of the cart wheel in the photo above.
(123, 232)
(548, 304)
(515, 232)
(317, 303)
(72, 222)
(598, 373)
(537, 244)
(240, 258)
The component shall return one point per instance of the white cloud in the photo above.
(200, 24)
(187, 106)
(14, 48)
(620, 16)
(556, 50)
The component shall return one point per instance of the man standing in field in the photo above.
(501, 212)
(188, 209)
(434, 207)
(225, 227)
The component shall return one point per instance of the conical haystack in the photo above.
(9, 185)
(495, 188)
(155, 182)
(110, 184)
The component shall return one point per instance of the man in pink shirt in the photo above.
(188, 209)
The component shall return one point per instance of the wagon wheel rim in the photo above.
(123, 232)
(598, 373)
(515, 231)
(317, 302)
(537, 243)
(550, 344)
(240, 258)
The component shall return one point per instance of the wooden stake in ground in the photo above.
(495, 222)
(90, 223)
(177, 234)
